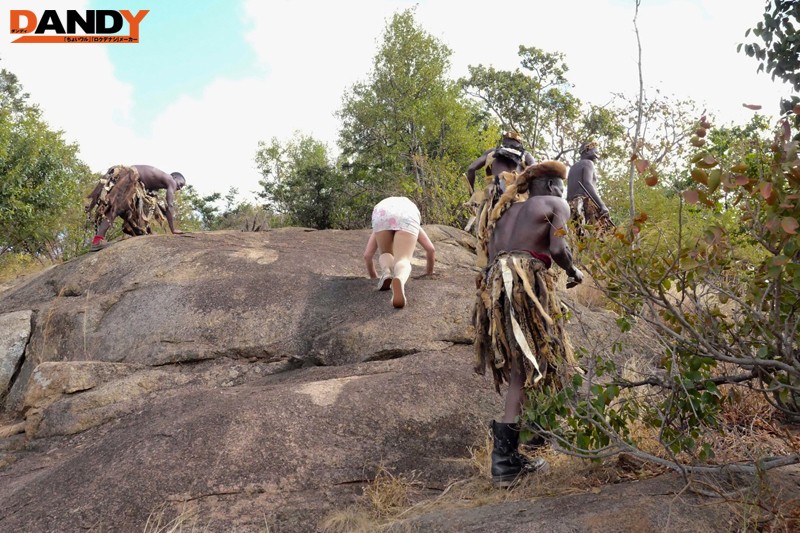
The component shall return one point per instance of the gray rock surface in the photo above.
(251, 380)
(15, 329)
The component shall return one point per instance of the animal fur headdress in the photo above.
(588, 145)
(519, 184)
(511, 134)
(545, 169)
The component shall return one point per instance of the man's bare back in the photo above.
(582, 179)
(538, 224)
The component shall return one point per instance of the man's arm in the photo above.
(369, 253)
(587, 181)
(430, 251)
(171, 208)
(154, 179)
(559, 250)
(527, 160)
(474, 166)
(94, 197)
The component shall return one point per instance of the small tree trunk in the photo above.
(639, 112)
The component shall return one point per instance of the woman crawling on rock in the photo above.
(395, 231)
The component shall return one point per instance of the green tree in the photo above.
(197, 212)
(778, 47)
(537, 103)
(405, 130)
(300, 182)
(523, 100)
(41, 181)
(600, 124)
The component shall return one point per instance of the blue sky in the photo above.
(184, 46)
(211, 79)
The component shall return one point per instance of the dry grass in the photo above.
(389, 493)
(16, 268)
(387, 496)
(355, 519)
(185, 521)
(752, 429)
(390, 498)
(480, 455)
(588, 293)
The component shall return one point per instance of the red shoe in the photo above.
(99, 245)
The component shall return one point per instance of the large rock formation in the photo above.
(252, 378)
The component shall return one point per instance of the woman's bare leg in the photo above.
(403, 247)
(386, 259)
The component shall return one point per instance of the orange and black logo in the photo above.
(92, 26)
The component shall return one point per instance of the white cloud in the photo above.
(74, 85)
(309, 53)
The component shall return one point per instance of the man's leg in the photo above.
(99, 240)
(515, 401)
(515, 397)
(507, 463)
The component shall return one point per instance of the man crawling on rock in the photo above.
(518, 317)
(131, 193)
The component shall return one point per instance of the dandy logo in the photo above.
(91, 26)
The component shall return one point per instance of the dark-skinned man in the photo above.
(582, 195)
(131, 194)
(509, 157)
(518, 318)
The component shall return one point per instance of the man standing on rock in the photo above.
(131, 194)
(506, 159)
(518, 317)
(582, 195)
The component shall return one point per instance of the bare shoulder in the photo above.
(545, 200)
(144, 169)
(580, 164)
(558, 204)
(543, 206)
(151, 171)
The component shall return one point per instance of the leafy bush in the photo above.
(724, 300)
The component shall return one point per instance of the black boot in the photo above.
(507, 463)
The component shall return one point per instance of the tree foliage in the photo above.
(723, 300)
(778, 47)
(536, 102)
(41, 181)
(299, 181)
(204, 213)
(195, 212)
(405, 131)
